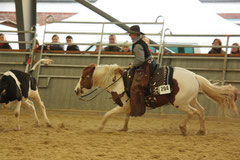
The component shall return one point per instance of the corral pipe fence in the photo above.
(57, 81)
(17, 58)
(196, 48)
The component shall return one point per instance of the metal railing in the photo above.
(64, 73)
(27, 52)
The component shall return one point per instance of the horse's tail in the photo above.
(225, 96)
(44, 61)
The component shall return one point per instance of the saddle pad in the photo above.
(161, 76)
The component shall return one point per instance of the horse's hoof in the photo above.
(123, 130)
(100, 128)
(183, 130)
(17, 128)
(201, 132)
(37, 124)
(49, 125)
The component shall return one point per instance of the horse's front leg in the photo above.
(115, 111)
(127, 117)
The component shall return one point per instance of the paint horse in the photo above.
(185, 99)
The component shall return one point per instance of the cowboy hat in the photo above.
(135, 29)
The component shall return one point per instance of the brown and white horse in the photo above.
(185, 100)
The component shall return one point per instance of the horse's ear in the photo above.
(92, 65)
(117, 71)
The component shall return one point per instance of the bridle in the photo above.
(96, 90)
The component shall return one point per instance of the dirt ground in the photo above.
(75, 137)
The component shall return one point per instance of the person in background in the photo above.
(37, 46)
(214, 50)
(55, 39)
(70, 46)
(146, 40)
(235, 50)
(4, 44)
(125, 47)
(112, 40)
(97, 47)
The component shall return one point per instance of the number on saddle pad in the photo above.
(164, 89)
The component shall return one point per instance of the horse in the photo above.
(109, 77)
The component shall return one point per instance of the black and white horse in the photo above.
(185, 99)
(16, 87)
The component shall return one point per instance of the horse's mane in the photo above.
(103, 74)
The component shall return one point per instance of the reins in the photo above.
(99, 92)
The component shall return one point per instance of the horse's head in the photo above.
(85, 82)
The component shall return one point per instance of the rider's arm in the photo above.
(139, 55)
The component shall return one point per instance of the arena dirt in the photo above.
(74, 136)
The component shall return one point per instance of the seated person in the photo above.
(235, 50)
(39, 47)
(112, 40)
(4, 45)
(55, 39)
(126, 47)
(214, 50)
(97, 47)
(70, 46)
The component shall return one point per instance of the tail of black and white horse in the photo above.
(184, 99)
(16, 87)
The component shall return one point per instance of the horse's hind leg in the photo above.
(201, 116)
(115, 111)
(190, 112)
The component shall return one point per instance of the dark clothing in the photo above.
(112, 48)
(5, 46)
(237, 52)
(44, 48)
(147, 55)
(216, 51)
(56, 47)
(143, 68)
(73, 48)
(145, 48)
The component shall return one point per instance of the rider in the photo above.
(143, 65)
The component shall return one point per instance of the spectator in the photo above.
(97, 47)
(55, 39)
(37, 46)
(216, 42)
(112, 40)
(235, 50)
(126, 47)
(4, 45)
(70, 46)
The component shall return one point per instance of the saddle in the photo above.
(159, 87)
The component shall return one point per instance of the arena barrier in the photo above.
(57, 81)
